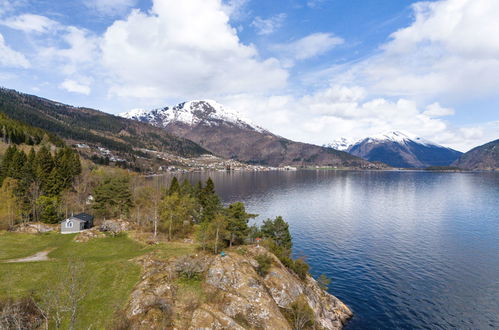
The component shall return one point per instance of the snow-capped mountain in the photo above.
(193, 113)
(402, 149)
(342, 144)
(226, 133)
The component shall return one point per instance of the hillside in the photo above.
(400, 149)
(88, 126)
(225, 133)
(484, 157)
(227, 292)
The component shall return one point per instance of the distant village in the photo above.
(168, 162)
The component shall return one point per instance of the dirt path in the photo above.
(40, 256)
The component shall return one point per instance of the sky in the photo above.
(309, 70)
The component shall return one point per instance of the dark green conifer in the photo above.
(174, 186)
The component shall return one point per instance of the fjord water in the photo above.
(404, 250)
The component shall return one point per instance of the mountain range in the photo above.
(195, 128)
(399, 149)
(226, 133)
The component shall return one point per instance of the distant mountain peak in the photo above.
(341, 144)
(399, 137)
(398, 149)
(193, 113)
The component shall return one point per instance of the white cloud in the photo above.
(11, 58)
(80, 52)
(30, 23)
(436, 110)
(75, 87)
(451, 51)
(235, 9)
(110, 7)
(269, 25)
(307, 47)
(343, 111)
(184, 49)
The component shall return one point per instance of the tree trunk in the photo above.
(216, 241)
(170, 228)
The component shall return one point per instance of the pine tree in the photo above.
(113, 197)
(174, 187)
(49, 207)
(278, 231)
(237, 224)
(186, 188)
(6, 162)
(44, 165)
(210, 202)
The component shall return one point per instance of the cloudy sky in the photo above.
(310, 70)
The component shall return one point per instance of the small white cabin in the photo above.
(77, 223)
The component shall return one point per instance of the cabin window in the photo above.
(69, 224)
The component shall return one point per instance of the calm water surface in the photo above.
(404, 250)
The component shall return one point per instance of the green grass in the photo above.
(173, 249)
(109, 274)
(13, 246)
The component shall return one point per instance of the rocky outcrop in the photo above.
(34, 228)
(88, 234)
(230, 294)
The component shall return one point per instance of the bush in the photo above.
(300, 315)
(264, 263)
(324, 282)
(189, 268)
(20, 314)
(300, 267)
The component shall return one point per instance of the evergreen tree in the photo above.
(6, 162)
(44, 165)
(186, 188)
(237, 222)
(49, 207)
(209, 201)
(278, 231)
(174, 187)
(113, 197)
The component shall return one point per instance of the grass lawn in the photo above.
(108, 275)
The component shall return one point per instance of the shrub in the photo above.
(189, 268)
(264, 263)
(324, 282)
(300, 267)
(21, 314)
(299, 314)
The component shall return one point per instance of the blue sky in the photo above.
(311, 70)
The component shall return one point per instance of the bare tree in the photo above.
(301, 314)
(75, 290)
(63, 299)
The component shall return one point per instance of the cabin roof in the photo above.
(83, 216)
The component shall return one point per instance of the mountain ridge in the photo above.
(399, 149)
(225, 133)
(93, 127)
(484, 157)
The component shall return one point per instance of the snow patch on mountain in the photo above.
(341, 144)
(192, 113)
(345, 144)
(399, 137)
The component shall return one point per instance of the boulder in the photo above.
(34, 228)
(88, 234)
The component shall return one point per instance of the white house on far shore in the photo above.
(77, 223)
